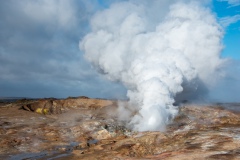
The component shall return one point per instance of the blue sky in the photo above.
(39, 47)
(230, 10)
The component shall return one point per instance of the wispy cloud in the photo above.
(227, 21)
(232, 3)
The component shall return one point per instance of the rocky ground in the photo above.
(83, 128)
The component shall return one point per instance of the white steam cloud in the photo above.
(159, 51)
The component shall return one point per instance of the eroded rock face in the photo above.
(54, 106)
(82, 128)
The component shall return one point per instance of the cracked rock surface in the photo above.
(83, 128)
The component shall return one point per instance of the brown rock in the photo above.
(76, 125)
(102, 134)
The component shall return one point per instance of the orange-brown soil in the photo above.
(83, 128)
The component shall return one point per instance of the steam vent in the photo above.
(145, 79)
(84, 128)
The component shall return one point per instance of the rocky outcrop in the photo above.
(54, 106)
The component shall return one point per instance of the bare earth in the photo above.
(83, 128)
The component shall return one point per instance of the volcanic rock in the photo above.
(84, 128)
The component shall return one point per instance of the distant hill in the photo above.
(12, 99)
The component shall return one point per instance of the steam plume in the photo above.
(159, 51)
